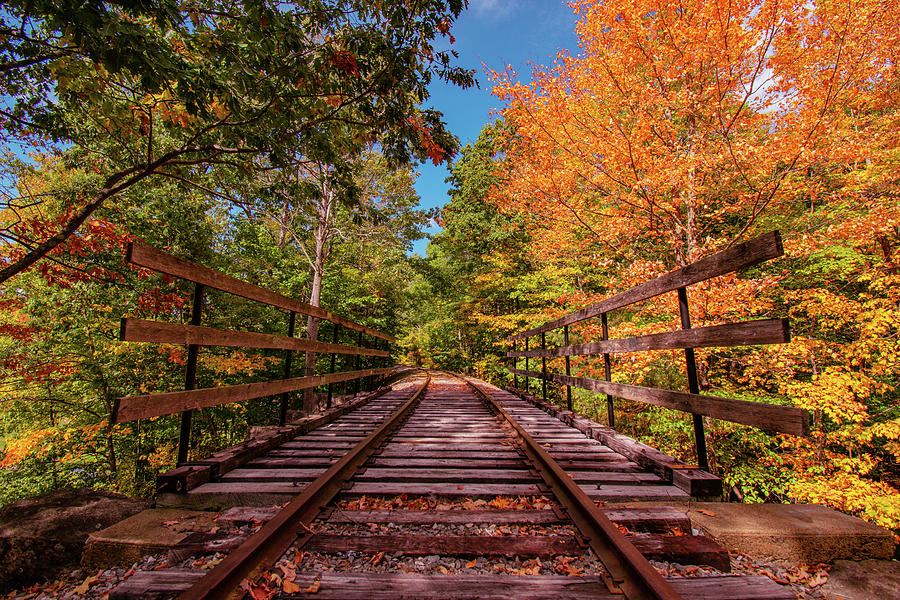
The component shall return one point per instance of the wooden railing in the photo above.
(195, 336)
(770, 417)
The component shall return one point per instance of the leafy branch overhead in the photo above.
(172, 89)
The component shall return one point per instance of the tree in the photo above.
(170, 90)
(683, 128)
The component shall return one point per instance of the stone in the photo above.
(148, 532)
(791, 533)
(43, 536)
(863, 580)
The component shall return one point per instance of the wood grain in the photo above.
(745, 333)
(769, 417)
(149, 257)
(132, 408)
(141, 330)
(755, 251)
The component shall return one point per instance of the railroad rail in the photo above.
(446, 487)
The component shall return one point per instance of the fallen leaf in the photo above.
(82, 589)
(819, 579)
(471, 564)
(708, 513)
(443, 569)
(170, 523)
(289, 587)
(314, 586)
(376, 559)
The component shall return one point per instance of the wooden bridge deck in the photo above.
(451, 464)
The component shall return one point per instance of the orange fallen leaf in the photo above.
(86, 585)
(471, 564)
(289, 587)
(314, 586)
(708, 513)
(376, 559)
(443, 569)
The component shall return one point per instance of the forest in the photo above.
(278, 142)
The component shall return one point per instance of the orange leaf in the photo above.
(314, 586)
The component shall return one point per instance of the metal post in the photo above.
(607, 370)
(544, 366)
(515, 361)
(288, 359)
(190, 376)
(334, 340)
(356, 381)
(526, 368)
(568, 368)
(693, 382)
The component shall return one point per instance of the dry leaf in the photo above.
(376, 559)
(82, 589)
(708, 513)
(289, 587)
(443, 569)
(314, 586)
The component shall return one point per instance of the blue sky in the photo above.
(497, 33)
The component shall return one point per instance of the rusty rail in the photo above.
(277, 535)
(631, 573)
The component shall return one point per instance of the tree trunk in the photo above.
(322, 235)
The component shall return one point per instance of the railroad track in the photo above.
(450, 488)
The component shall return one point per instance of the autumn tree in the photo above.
(171, 90)
(682, 128)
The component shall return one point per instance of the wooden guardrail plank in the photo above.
(770, 417)
(755, 251)
(132, 408)
(746, 333)
(142, 330)
(146, 256)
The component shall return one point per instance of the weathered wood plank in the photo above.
(747, 333)
(449, 545)
(146, 256)
(389, 586)
(132, 408)
(737, 257)
(683, 549)
(769, 417)
(657, 519)
(142, 330)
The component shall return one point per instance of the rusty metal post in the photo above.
(544, 366)
(515, 362)
(526, 368)
(607, 370)
(190, 376)
(288, 359)
(334, 340)
(568, 368)
(693, 382)
(356, 382)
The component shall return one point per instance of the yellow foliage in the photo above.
(18, 449)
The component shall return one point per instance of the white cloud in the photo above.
(491, 8)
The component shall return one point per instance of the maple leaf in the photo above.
(500, 502)
(313, 587)
(87, 583)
